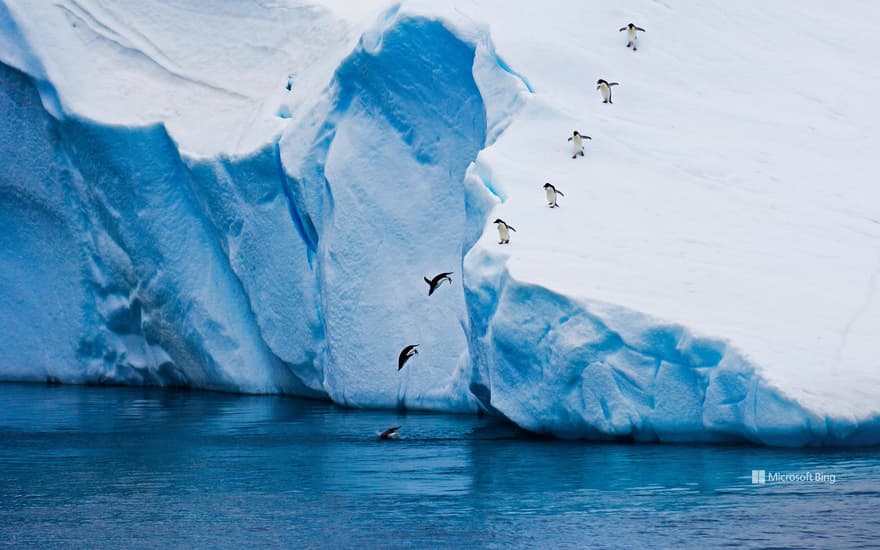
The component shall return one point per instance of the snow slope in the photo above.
(171, 214)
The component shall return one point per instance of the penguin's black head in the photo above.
(577, 133)
(601, 81)
(547, 185)
(499, 220)
(630, 25)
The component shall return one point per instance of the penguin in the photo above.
(605, 88)
(504, 231)
(390, 433)
(289, 86)
(631, 35)
(551, 194)
(405, 354)
(437, 281)
(577, 143)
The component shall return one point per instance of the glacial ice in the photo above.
(172, 215)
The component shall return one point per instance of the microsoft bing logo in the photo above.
(763, 477)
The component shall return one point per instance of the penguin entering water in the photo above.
(605, 88)
(577, 143)
(503, 231)
(437, 281)
(390, 433)
(552, 192)
(631, 35)
(405, 354)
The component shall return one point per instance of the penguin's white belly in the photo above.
(631, 35)
(577, 144)
(503, 232)
(551, 196)
(606, 92)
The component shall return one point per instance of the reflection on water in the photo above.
(123, 467)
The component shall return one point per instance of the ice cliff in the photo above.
(172, 214)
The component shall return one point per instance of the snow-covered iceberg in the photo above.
(254, 210)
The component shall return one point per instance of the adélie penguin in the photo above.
(405, 354)
(503, 231)
(438, 279)
(390, 433)
(604, 88)
(552, 193)
(577, 144)
(631, 35)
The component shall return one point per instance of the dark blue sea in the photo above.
(99, 467)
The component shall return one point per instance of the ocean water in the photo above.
(88, 467)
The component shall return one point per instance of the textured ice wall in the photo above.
(297, 268)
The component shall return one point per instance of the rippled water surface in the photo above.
(136, 468)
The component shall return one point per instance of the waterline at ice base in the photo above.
(258, 210)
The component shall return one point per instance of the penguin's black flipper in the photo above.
(511, 228)
(622, 29)
(640, 29)
(558, 192)
(587, 137)
(613, 84)
(569, 139)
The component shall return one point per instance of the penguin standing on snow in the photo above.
(631, 35)
(605, 88)
(405, 354)
(551, 194)
(577, 143)
(503, 231)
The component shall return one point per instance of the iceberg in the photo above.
(255, 210)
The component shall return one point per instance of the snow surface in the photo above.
(172, 214)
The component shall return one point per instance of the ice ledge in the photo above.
(590, 370)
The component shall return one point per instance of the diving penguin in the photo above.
(390, 433)
(605, 88)
(577, 143)
(552, 192)
(503, 231)
(405, 354)
(631, 35)
(437, 281)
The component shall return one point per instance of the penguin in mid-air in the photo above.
(437, 281)
(405, 354)
(503, 231)
(551, 194)
(631, 35)
(605, 88)
(390, 433)
(577, 143)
